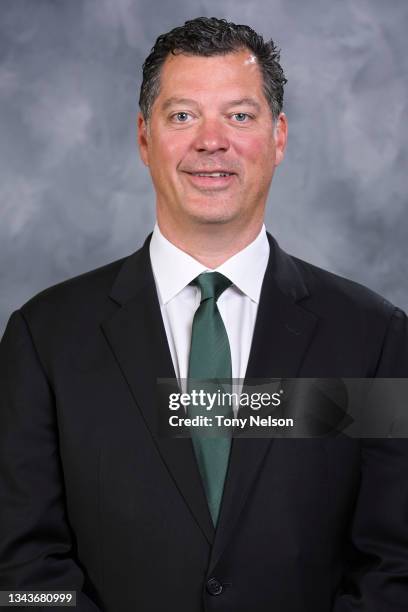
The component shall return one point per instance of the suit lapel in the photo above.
(137, 337)
(282, 335)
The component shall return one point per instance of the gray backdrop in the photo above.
(74, 194)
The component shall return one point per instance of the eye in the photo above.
(241, 117)
(180, 117)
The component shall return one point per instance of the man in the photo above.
(93, 498)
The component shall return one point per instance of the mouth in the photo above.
(217, 179)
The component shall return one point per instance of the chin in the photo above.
(213, 219)
(212, 215)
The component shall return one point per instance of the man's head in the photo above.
(211, 102)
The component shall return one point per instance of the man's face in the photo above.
(211, 143)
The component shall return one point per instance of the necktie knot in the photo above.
(211, 284)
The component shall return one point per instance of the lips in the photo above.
(211, 173)
(213, 180)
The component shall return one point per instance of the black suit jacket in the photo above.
(93, 499)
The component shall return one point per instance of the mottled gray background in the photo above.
(74, 194)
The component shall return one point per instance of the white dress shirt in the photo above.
(173, 270)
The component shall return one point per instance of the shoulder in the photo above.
(70, 312)
(350, 314)
(328, 295)
(355, 312)
(83, 290)
(329, 289)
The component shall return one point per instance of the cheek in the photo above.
(256, 151)
(166, 153)
(169, 150)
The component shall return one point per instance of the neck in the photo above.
(211, 244)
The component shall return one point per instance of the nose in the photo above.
(211, 137)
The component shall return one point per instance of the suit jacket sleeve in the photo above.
(36, 543)
(377, 579)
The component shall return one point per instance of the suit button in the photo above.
(214, 586)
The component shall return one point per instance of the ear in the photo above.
(281, 137)
(142, 139)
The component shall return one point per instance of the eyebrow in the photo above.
(189, 102)
(172, 101)
(245, 102)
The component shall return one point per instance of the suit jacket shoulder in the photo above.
(353, 324)
(321, 283)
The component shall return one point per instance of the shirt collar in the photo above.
(173, 269)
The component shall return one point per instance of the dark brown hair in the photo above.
(207, 36)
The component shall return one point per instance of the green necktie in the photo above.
(210, 358)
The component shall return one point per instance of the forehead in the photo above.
(236, 73)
